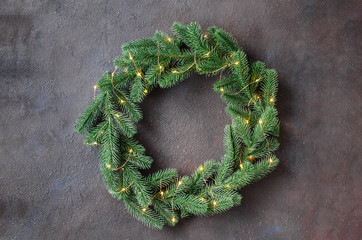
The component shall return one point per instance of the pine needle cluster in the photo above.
(248, 88)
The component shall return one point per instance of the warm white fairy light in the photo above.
(205, 35)
(173, 219)
(108, 165)
(145, 91)
(144, 209)
(122, 101)
(247, 121)
(271, 100)
(250, 157)
(139, 74)
(174, 71)
(93, 143)
(260, 121)
(215, 203)
(130, 57)
(130, 150)
(169, 39)
(228, 186)
(270, 160)
(201, 168)
(161, 193)
(95, 87)
(241, 166)
(123, 189)
(222, 89)
(237, 63)
(180, 182)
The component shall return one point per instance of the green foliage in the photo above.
(248, 88)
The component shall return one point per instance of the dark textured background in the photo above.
(53, 52)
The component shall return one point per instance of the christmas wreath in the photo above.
(248, 88)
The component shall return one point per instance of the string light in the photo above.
(123, 189)
(207, 54)
(161, 193)
(144, 209)
(222, 89)
(270, 160)
(145, 91)
(201, 168)
(260, 121)
(93, 143)
(169, 39)
(116, 115)
(95, 87)
(215, 203)
(228, 186)
(271, 100)
(179, 183)
(122, 101)
(173, 219)
(250, 157)
(241, 165)
(237, 63)
(174, 71)
(139, 74)
(130, 150)
(108, 165)
(205, 35)
(160, 67)
(247, 121)
(130, 57)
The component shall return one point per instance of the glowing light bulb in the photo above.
(160, 67)
(228, 186)
(169, 39)
(237, 63)
(270, 160)
(241, 166)
(260, 121)
(174, 71)
(222, 89)
(179, 183)
(205, 35)
(215, 203)
(123, 189)
(108, 165)
(93, 143)
(250, 156)
(173, 219)
(139, 74)
(271, 100)
(130, 57)
(201, 168)
(122, 101)
(207, 54)
(145, 91)
(130, 150)
(116, 115)
(95, 87)
(144, 209)
(247, 121)
(161, 193)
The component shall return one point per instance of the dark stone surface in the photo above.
(52, 53)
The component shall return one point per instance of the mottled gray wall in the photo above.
(53, 52)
